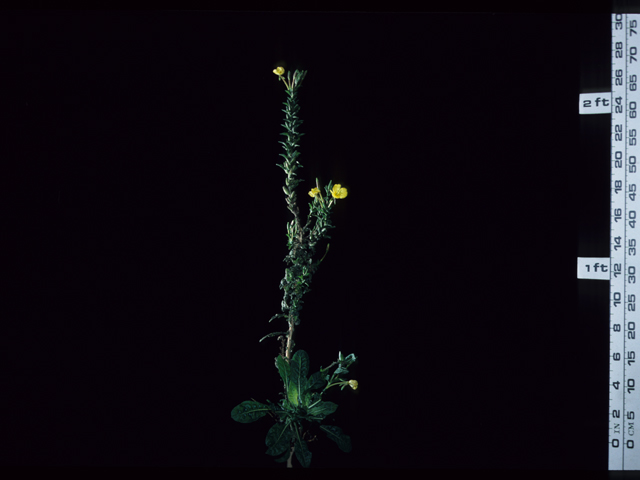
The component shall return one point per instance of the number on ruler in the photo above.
(617, 269)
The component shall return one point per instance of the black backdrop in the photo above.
(144, 232)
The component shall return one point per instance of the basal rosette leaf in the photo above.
(300, 364)
(249, 411)
(278, 439)
(302, 453)
(298, 376)
(283, 458)
(284, 369)
(322, 409)
(316, 382)
(337, 435)
(292, 393)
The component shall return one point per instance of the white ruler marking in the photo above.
(624, 453)
(591, 103)
(594, 268)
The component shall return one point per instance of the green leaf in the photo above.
(323, 409)
(278, 315)
(299, 371)
(278, 439)
(249, 411)
(316, 382)
(302, 453)
(350, 359)
(300, 365)
(284, 458)
(340, 370)
(336, 434)
(284, 368)
(273, 335)
(292, 393)
(307, 398)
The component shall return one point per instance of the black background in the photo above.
(144, 232)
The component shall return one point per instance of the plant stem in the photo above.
(290, 339)
(289, 464)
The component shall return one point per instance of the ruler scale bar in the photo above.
(624, 400)
(632, 263)
(622, 267)
(618, 243)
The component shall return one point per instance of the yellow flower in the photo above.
(279, 71)
(314, 191)
(338, 192)
(353, 384)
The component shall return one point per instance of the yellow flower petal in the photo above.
(353, 384)
(279, 71)
(314, 191)
(338, 192)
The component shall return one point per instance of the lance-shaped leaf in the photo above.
(278, 439)
(284, 368)
(323, 409)
(340, 371)
(283, 458)
(300, 361)
(299, 372)
(292, 393)
(308, 398)
(336, 434)
(316, 382)
(303, 454)
(272, 335)
(349, 359)
(249, 411)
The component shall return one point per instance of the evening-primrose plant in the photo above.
(301, 402)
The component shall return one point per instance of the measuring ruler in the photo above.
(622, 267)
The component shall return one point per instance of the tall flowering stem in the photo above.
(295, 281)
(301, 239)
(301, 402)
